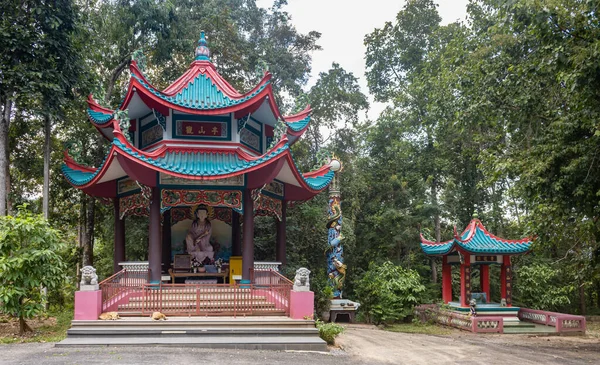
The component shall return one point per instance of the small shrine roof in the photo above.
(476, 240)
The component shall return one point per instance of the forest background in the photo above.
(497, 116)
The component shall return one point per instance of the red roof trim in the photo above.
(298, 116)
(318, 172)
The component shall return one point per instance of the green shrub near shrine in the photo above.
(388, 293)
(29, 260)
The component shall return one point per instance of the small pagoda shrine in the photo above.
(477, 246)
(197, 143)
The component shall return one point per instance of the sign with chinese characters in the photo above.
(174, 180)
(202, 129)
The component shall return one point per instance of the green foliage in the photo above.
(29, 260)
(329, 331)
(388, 293)
(323, 292)
(540, 287)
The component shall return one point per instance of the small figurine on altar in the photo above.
(197, 239)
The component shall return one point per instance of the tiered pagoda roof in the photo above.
(200, 94)
(476, 240)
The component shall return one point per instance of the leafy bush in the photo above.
(29, 260)
(323, 292)
(329, 331)
(388, 293)
(539, 287)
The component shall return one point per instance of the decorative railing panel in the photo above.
(562, 322)
(432, 312)
(214, 299)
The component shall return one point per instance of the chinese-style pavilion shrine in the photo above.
(197, 142)
(476, 246)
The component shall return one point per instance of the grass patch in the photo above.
(46, 332)
(593, 329)
(422, 328)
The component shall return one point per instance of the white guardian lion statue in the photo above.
(89, 279)
(301, 282)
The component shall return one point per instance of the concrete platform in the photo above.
(265, 333)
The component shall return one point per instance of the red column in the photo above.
(506, 284)
(236, 236)
(119, 253)
(446, 280)
(166, 241)
(248, 238)
(484, 276)
(281, 227)
(465, 281)
(154, 246)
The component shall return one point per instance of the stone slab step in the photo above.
(536, 329)
(189, 331)
(240, 321)
(229, 342)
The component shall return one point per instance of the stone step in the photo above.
(240, 321)
(305, 343)
(175, 330)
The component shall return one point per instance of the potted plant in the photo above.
(219, 264)
(196, 265)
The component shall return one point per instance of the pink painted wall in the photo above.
(88, 305)
(302, 304)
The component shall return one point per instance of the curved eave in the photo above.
(436, 248)
(83, 177)
(477, 240)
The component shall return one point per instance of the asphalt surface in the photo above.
(46, 353)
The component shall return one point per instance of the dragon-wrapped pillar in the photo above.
(336, 269)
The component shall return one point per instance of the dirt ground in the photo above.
(371, 344)
(9, 327)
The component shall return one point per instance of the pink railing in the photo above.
(212, 299)
(561, 321)
(477, 324)
(129, 291)
(120, 286)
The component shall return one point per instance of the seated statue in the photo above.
(197, 239)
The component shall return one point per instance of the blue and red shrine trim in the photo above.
(475, 239)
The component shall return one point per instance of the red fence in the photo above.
(562, 322)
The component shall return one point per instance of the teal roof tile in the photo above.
(196, 163)
(477, 240)
(200, 94)
(299, 125)
(99, 117)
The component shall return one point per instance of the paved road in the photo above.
(45, 353)
(361, 344)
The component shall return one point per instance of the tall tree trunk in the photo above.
(438, 229)
(4, 149)
(46, 191)
(88, 244)
(582, 308)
